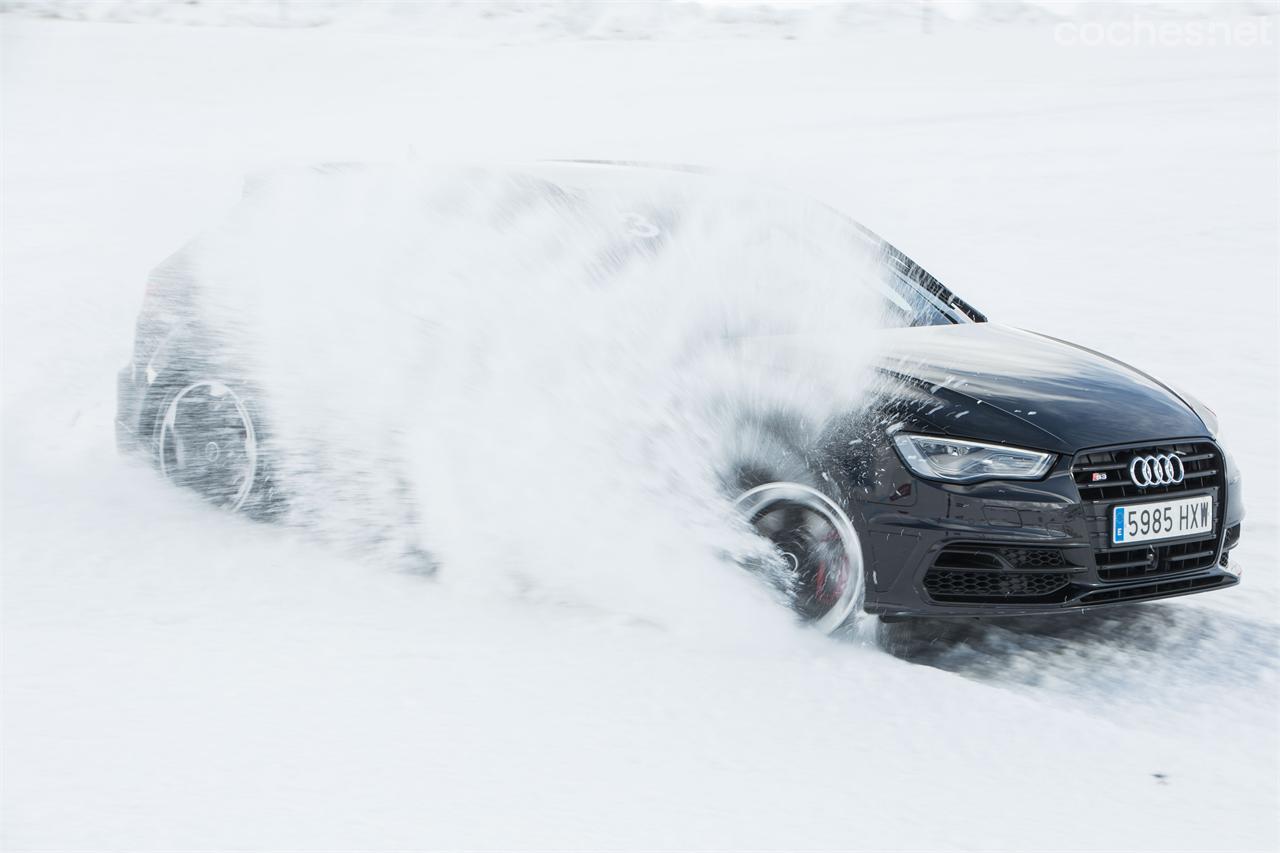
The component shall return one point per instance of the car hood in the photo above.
(990, 382)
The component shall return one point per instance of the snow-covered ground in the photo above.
(178, 679)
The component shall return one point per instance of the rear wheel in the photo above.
(207, 441)
(817, 546)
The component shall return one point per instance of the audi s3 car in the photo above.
(995, 472)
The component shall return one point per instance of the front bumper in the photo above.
(1025, 548)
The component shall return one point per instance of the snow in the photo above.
(178, 679)
(573, 402)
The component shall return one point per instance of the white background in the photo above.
(174, 679)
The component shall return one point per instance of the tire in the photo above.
(208, 438)
(776, 477)
(817, 546)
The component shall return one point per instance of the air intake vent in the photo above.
(1154, 590)
(946, 585)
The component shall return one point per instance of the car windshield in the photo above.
(655, 206)
(908, 305)
(912, 296)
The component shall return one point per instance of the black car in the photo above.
(996, 471)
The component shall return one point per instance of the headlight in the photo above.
(969, 461)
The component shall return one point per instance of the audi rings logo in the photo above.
(1164, 469)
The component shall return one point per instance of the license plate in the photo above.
(1161, 520)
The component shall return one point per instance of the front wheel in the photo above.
(817, 546)
(207, 441)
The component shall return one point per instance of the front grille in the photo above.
(1203, 466)
(1199, 458)
(975, 586)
